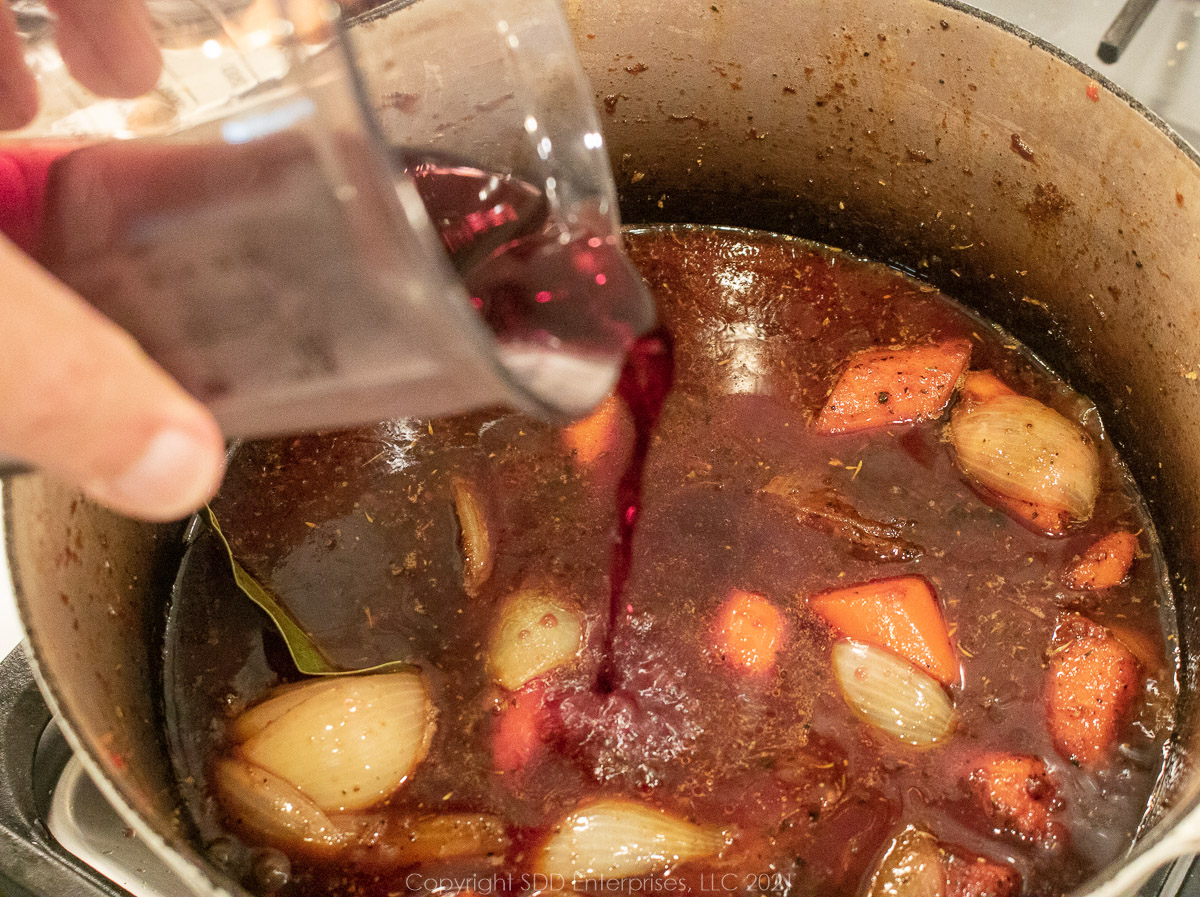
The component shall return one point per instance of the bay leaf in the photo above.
(306, 654)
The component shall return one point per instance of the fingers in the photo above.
(18, 93)
(108, 45)
(79, 399)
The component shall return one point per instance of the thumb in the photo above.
(79, 399)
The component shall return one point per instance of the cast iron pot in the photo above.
(911, 131)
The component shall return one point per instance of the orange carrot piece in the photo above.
(1070, 626)
(901, 614)
(981, 386)
(1148, 654)
(1092, 682)
(1018, 796)
(517, 734)
(1105, 564)
(597, 434)
(894, 386)
(748, 631)
(974, 876)
(1039, 518)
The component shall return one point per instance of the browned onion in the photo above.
(1026, 450)
(265, 805)
(478, 544)
(911, 866)
(618, 838)
(344, 743)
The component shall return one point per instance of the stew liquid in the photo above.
(686, 730)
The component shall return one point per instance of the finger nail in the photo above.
(176, 474)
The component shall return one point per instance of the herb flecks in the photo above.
(309, 659)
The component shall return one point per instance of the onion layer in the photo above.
(619, 838)
(262, 804)
(1026, 450)
(282, 699)
(478, 548)
(538, 632)
(910, 867)
(438, 838)
(345, 743)
(891, 694)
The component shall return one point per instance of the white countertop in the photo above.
(1161, 68)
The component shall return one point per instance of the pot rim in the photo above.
(1062, 55)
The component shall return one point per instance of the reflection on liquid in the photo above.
(397, 440)
(744, 350)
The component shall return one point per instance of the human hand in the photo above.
(78, 398)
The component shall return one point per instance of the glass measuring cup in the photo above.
(306, 236)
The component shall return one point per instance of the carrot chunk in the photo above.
(1149, 655)
(894, 386)
(748, 631)
(981, 386)
(1092, 682)
(973, 876)
(901, 614)
(597, 434)
(1018, 796)
(1070, 626)
(1105, 564)
(517, 735)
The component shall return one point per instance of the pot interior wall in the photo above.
(906, 130)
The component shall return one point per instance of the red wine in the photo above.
(645, 382)
(475, 212)
(24, 170)
(531, 280)
(530, 284)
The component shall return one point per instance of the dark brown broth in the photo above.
(357, 531)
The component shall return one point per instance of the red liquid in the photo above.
(531, 281)
(813, 793)
(644, 385)
(475, 212)
(24, 169)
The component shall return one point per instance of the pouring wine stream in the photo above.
(644, 384)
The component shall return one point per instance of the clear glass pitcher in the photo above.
(308, 236)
